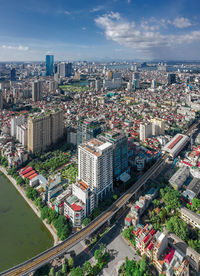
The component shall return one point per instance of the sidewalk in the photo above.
(30, 203)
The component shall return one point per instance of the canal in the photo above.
(22, 233)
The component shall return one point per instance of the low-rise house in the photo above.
(190, 217)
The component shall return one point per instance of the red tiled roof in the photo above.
(175, 142)
(150, 246)
(32, 176)
(128, 219)
(76, 207)
(146, 238)
(27, 170)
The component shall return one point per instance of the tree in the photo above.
(63, 233)
(86, 221)
(31, 193)
(70, 263)
(143, 265)
(179, 227)
(11, 171)
(196, 203)
(19, 180)
(115, 197)
(76, 272)
(87, 268)
(44, 212)
(102, 247)
(95, 213)
(128, 234)
(98, 255)
(38, 202)
(52, 272)
(171, 198)
(156, 202)
(64, 269)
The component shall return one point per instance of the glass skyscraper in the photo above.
(49, 65)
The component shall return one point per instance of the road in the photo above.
(52, 253)
(115, 243)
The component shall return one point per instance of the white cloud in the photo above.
(181, 22)
(67, 12)
(129, 1)
(142, 36)
(18, 48)
(84, 28)
(98, 8)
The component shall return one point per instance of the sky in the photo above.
(99, 30)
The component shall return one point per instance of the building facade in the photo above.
(95, 167)
(14, 122)
(44, 129)
(65, 69)
(158, 126)
(87, 130)
(120, 150)
(49, 65)
(145, 131)
(37, 91)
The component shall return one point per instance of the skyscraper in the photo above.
(37, 91)
(44, 129)
(171, 78)
(95, 167)
(145, 131)
(13, 74)
(87, 130)
(65, 69)
(56, 125)
(136, 80)
(1, 99)
(153, 84)
(158, 126)
(14, 122)
(120, 150)
(49, 65)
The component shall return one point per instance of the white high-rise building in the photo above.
(21, 134)
(145, 131)
(95, 167)
(16, 121)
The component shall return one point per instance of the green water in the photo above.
(22, 233)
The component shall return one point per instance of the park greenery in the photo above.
(73, 88)
(195, 207)
(60, 222)
(49, 162)
(132, 268)
(70, 172)
(178, 226)
(171, 198)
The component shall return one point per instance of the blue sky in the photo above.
(99, 30)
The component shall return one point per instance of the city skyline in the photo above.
(100, 30)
